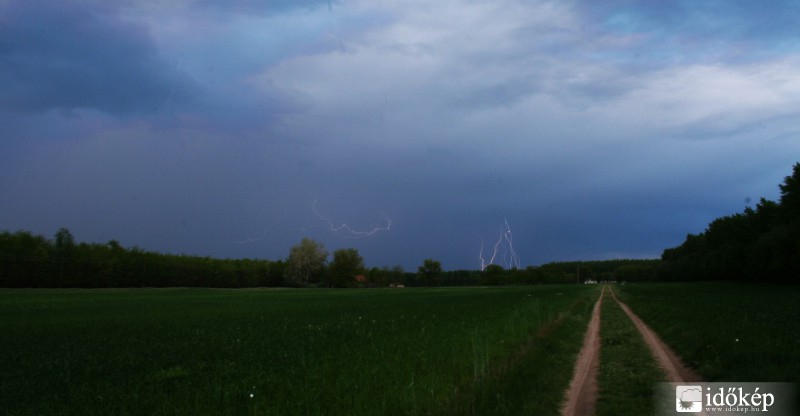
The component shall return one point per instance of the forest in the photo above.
(760, 244)
(33, 261)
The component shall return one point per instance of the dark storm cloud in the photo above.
(596, 129)
(65, 55)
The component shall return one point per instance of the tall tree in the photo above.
(64, 240)
(493, 274)
(790, 194)
(346, 265)
(306, 260)
(788, 253)
(430, 271)
(64, 248)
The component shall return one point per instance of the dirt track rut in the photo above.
(667, 359)
(581, 396)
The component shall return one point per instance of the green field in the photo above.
(727, 331)
(377, 351)
(290, 352)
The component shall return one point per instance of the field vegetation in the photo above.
(290, 352)
(432, 351)
(726, 331)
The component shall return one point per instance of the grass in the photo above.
(732, 332)
(627, 370)
(532, 380)
(289, 352)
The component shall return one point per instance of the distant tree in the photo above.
(273, 274)
(378, 276)
(305, 260)
(64, 248)
(114, 246)
(635, 273)
(790, 194)
(492, 274)
(346, 265)
(788, 235)
(22, 260)
(397, 274)
(430, 271)
(64, 240)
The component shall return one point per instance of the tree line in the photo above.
(758, 244)
(28, 260)
(33, 261)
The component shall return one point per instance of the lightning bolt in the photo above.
(513, 259)
(480, 256)
(504, 244)
(345, 230)
(496, 245)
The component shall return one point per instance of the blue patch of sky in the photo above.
(251, 44)
(625, 22)
(693, 29)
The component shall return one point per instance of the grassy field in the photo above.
(290, 352)
(726, 331)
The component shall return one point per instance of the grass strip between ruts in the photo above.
(628, 371)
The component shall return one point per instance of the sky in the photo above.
(534, 131)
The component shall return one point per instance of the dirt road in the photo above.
(667, 359)
(581, 396)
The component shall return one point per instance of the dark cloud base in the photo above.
(66, 55)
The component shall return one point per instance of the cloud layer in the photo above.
(596, 131)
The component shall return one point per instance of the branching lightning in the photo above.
(262, 236)
(503, 246)
(345, 231)
(480, 256)
(513, 259)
